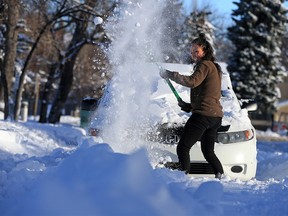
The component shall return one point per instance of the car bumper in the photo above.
(238, 159)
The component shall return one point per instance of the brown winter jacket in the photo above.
(205, 84)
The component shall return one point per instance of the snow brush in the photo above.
(173, 90)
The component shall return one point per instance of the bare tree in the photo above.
(2, 40)
(65, 16)
(80, 37)
(65, 8)
(47, 93)
(78, 40)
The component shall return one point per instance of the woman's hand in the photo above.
(186, 107)
(166, 74)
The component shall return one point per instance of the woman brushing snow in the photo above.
(205, 84)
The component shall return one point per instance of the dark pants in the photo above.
(204, 129)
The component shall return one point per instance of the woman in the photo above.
(205, 84)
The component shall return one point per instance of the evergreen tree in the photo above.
(255, 66)
(196, 23)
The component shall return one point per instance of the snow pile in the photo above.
(58, 170)
(15, 136)
(271, 136)
(273, 159)
(90, 180)
(86, 177)
(233, 114)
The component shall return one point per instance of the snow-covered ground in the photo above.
(58, 170)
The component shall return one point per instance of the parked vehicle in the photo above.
(280, 125)
(236, 139)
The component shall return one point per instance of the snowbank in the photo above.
(94, 180)
(86, 177)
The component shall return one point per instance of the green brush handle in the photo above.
(173, 89)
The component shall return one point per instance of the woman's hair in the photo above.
(207, 48)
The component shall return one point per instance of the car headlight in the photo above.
(234, 137)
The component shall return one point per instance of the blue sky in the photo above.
(222, 6)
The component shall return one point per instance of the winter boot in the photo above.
(219, 175)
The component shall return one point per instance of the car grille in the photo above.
(200, 168)
(195, 168)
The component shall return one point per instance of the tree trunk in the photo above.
(66, 81)
(24, 71)
(63, 91)
(5, 90)
(46, 98)
(8, 69)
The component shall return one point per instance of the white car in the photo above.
(236, 139)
